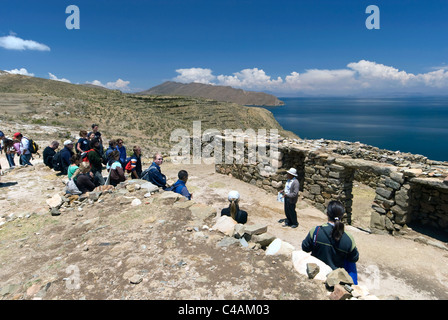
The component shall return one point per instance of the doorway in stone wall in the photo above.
(363, 196)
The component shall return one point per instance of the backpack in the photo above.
(57, 161)
(128, 166)
(84, 157)
(33, 146)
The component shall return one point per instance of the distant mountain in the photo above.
(219, 93)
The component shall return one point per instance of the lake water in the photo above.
(415, 125)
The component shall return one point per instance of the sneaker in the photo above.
(281, 220)
(294, 225)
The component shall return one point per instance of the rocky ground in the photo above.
(129, 244)
(160, 247)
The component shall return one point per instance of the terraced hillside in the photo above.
(145, 120)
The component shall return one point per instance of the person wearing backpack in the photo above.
(331, 244)
(154, 173)
(134, 165)
(25, 153)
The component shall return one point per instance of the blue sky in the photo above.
(289, 48)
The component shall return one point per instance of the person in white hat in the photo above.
(66, 155)
(291, 195)
(233, 210)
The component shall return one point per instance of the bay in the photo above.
(417, 125)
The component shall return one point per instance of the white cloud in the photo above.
(12, 42)
(53, 77)
(120, 84)
(21, 71)
(195, 75)
(362, 77)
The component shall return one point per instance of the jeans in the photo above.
(10, 158)
(26, 159)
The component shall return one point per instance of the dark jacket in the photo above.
(48, 155)
(96, 162)
(84, 182)
(155, 176)
(322, 246)
(240, 217)
(66, 154)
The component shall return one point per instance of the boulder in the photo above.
(149, 187)
(225, 224)
(339, 293)
(279, 247)
(55, 201)
(338, 276)
(301, 259)
(255, 229)
(312, 269)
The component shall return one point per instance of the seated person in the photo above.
(75, 160)
(233, 210)
(115, 168)
(49, 153)
(84, 178)
(180, 185)
(154, 174)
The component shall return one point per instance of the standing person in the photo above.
(49, 153)
(180, 185)
(291, 195)
(96, 162)
(135, 164)
(10, 151)
(331, 244)
(154, 173)
(233, 210)
(122, 149)
(99, 137)
(83, 143)
(24, 143)
(66, 155)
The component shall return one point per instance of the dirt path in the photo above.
(389, 266)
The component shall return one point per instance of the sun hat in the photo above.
(292, 171)
(66, 142)
(233, 195)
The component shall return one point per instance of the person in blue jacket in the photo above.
(66, 155)
(180, 185)
(154, 174)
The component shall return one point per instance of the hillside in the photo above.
(145, 120)
(220, 93)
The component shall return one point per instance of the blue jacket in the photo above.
(122, 154)
(155, 176)
(181, 188)
(66, 154)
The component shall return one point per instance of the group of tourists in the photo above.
(83, 160)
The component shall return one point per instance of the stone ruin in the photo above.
(409, 188)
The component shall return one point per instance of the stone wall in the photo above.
(409, 188)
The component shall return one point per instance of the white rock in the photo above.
(136, 202)
(278, 247)
(225, 224)
(301, 258)
(55, 201)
